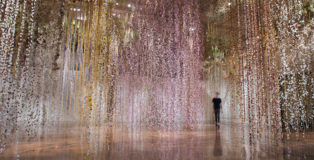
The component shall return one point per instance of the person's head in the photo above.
(217, 94)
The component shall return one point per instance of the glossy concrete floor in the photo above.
(230, 141)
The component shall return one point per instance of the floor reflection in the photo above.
(218, 148)
(121, 143)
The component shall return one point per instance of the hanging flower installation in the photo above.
(294, 21)
(155, 63)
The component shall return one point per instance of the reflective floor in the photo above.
(230, 141)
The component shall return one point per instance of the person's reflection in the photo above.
(109, 142)
(217, 147)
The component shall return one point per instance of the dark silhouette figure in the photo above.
(217, 108)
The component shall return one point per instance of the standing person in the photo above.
(217, 108)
